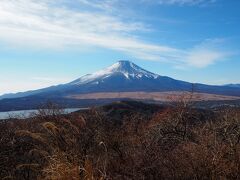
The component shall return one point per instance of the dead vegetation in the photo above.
(123, 141)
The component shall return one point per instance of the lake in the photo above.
(27, 113)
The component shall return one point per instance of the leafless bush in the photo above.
(178, 142)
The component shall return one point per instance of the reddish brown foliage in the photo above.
(133, 143)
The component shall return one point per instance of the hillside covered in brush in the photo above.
(123, 140)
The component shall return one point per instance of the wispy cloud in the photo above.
(110, 4)
(202, 57)
(48, 24)
(183, 2)
(103, 4)
(207, 53)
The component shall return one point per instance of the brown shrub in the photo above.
(177, 142)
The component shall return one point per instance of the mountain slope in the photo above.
(123, 76)
(233, 85)
(126, 69)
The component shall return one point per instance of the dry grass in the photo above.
(173, 143)
(156, 96)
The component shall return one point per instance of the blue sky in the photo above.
(49, 42)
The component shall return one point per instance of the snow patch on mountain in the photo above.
(128, 69)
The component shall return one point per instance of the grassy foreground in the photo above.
(124, 140)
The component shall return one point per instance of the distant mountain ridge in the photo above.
(233, 85)
(123, 76)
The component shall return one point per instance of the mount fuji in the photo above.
(123, 77)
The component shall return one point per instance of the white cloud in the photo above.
(202, 58)
(52, 24)
(185, 2)
(103, 4)
(207, 53)
(110, 4)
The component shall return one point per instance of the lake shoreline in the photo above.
(22, 114)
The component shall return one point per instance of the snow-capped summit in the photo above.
(122, 68)
(121, 77)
